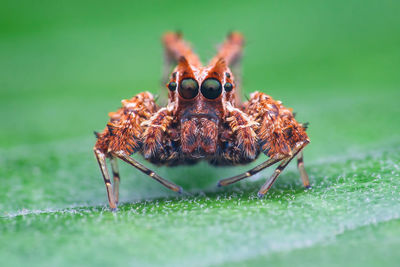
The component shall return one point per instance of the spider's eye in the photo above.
(228, 87)
(188, 88)
(172, 86)
(211, 88)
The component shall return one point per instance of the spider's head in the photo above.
(199, 96)
(208, 86)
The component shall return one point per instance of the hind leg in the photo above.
(170, 185)
(101, 159)
(231, 52)
(117, 179)
(268, 184)
(302, 170)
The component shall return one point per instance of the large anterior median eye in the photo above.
(211, 88)
(188, 88)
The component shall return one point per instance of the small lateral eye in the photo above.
(228, 87)
(188, 88)
(172, 86)
(211, 88)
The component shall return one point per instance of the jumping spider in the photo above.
(203, 120)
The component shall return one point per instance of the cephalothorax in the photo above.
(203, 120)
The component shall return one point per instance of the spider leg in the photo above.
(302, 170)
(278, 133)
(166, 69)
(101, 159)
(125, 157)
(249, 173)
(116, 178)
(231, 52)
(267, 185)
(175, 48)
(123, 133)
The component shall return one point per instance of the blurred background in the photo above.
(65, 64)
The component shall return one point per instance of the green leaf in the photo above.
(63, 67)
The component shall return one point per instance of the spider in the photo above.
(204, 119)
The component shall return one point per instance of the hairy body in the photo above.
(203, 120)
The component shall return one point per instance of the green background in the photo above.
(65, 64)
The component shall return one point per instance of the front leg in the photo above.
(278, 131)
(280, 137)
(122, 137)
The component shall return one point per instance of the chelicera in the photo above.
(204, 119)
